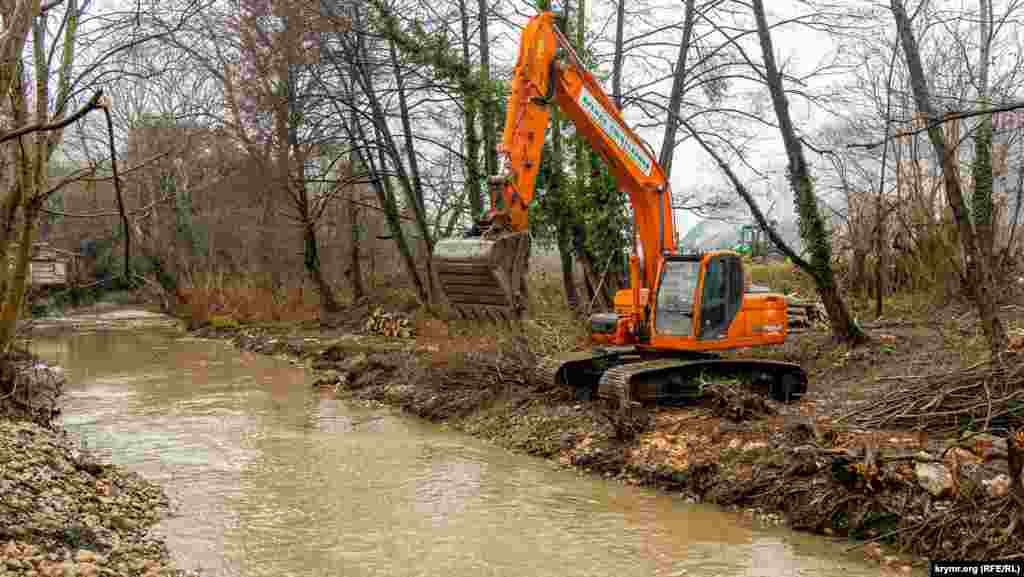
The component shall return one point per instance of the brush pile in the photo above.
(984, 395)
(730, 399)
(510, 367)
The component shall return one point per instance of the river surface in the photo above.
(270, 478)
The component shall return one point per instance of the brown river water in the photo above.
(270, 479)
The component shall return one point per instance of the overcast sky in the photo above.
(692, 169)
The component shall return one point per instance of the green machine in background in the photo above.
(754, 242)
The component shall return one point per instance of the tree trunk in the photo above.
(580, 249)
(881, 212)
(812, 225)
(556, 200)
(354, 271)
(1015, 465)
(382, 187)
(858, 268)
(487, 95)
(568, 278)
(981, 202)
(411, 183)
(581, 143)
(981, 283)
(675, 99)
(328, 303)
(14, 298)
(620, 24)
(473, 179)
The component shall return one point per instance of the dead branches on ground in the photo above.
(979, 396)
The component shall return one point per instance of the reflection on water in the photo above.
(271, 478)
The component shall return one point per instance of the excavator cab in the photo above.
(698, 297)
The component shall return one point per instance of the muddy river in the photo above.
(269, 478)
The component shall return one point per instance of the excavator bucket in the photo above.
(484, 277)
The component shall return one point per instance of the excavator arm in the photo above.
(484, 274)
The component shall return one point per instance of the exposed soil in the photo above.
(918, 494)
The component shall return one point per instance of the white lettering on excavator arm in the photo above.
(613, 130)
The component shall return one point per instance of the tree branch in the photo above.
(935, 123)
(762, 221)
(93, 104)
(50, 6)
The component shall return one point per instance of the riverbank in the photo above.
(903, 497)
(63, 511)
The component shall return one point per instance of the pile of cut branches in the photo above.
(484, 370)
(981, 395)
(730, 399)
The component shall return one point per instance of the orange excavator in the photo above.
(679, 311)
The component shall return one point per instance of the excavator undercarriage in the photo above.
(627, 377)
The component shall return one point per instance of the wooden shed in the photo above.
(49, 266)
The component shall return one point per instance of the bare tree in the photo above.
(980, 280)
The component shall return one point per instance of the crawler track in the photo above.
(580, 370)
(628, 378)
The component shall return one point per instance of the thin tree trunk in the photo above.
(16, 194)
(126, 227)
(812, 225)
(620, 24)
(675, 99)
(14, 298)
(382, 187)
(981, 202)
(581, 144)
(615, 277)
(354, 271)
(489, 105)
(469, 112)
(881, 214)
(979, 278)
(556, 200)
(328, 302)
(311, 245)
(411, 183)
(1015, 465)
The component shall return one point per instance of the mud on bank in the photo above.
(919, 497)
(62, 511)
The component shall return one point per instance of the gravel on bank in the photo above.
(63, 512)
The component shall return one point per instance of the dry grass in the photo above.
(246, 300)
(782, 277)
(550, 326)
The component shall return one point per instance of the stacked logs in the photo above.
(804, 314)
(388, 324)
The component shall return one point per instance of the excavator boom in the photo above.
(484, 274)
